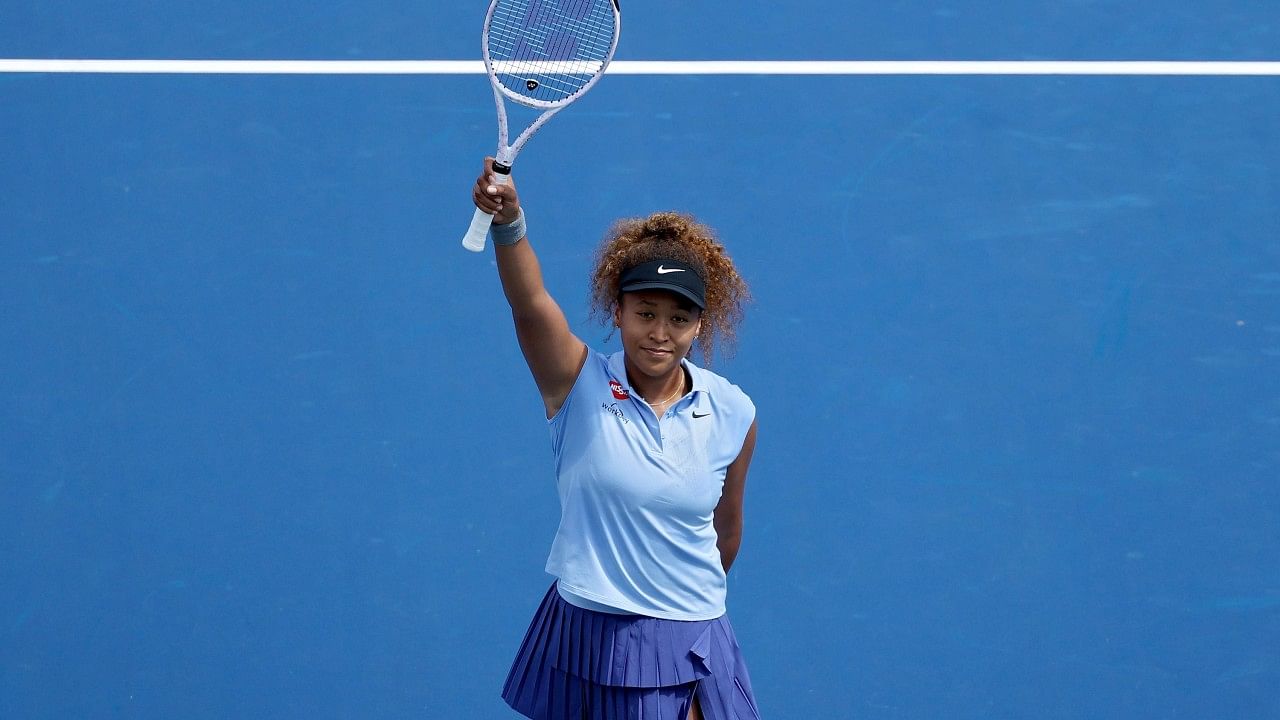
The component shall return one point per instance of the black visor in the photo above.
(678, 277)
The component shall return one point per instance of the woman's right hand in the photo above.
(500, 201)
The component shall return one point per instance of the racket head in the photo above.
(546, 53)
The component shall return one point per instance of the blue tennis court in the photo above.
(270, 449)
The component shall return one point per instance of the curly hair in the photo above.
(673, 236)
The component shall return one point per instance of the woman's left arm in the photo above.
(728, 514)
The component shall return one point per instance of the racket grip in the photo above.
(480, 222)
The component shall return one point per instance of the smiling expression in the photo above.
(658, 328)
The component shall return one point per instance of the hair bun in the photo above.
(666, 226)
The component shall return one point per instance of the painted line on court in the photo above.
(652, 67)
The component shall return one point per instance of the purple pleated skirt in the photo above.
(577, 664)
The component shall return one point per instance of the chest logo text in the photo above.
(613, 409)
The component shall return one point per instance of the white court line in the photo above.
(653, 67)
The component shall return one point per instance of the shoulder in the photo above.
(723, 393)
(595, 358)
(593, 374)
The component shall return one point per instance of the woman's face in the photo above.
(658, 328)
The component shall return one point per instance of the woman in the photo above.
(651, 460)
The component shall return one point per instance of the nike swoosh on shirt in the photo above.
(702, 415)
(665, 270)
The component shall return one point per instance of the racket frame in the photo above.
(506, 154)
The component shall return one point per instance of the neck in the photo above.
(656, 390)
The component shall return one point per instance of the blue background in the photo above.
(269, 449)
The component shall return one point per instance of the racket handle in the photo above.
(480, 222)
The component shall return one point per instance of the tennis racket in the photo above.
(542, 54)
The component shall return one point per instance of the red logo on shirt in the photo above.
(618, 391)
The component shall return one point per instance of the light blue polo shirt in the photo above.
(637, 497)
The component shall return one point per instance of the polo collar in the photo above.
(700, 390)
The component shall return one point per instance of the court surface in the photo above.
(269, 448)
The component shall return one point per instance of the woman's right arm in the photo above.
(554, 354)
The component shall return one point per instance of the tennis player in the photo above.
(651, 454)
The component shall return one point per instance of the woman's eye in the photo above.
(679, 320)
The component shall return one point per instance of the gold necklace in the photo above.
(669, 398)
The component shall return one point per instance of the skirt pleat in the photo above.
(525, 681)
(575, 663)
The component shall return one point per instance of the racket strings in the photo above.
(549, 50)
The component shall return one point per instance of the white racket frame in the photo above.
(474, 240)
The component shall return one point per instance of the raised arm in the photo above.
(554, 354)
